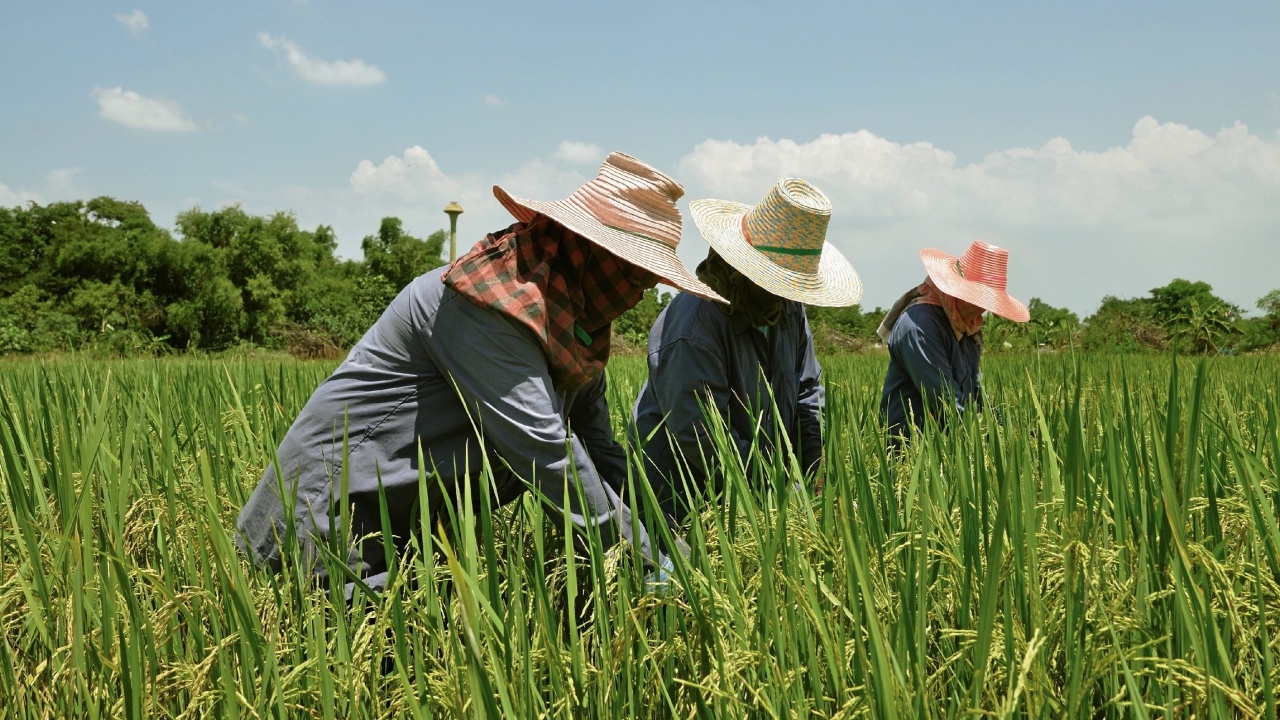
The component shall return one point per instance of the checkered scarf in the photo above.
(563, 287)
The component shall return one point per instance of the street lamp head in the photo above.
(453, 210)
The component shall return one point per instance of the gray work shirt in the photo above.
(928, 370)
(432, 370)
(696, 349)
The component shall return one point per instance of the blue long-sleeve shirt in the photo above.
(469, 385)
(928, 369)
(696, 349)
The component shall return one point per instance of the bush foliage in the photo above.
(100, 277)
(1183, 316)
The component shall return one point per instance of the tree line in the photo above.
(1184, 316)
(100, 277)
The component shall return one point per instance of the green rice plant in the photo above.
(1102, 541)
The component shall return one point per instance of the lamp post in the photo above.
(453, 210)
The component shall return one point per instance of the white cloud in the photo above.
(579, 153)
(230, 188)
(414, 176)
(349, 73)
(241, 118)
(491, 100)
(541, 179)
(135, 21)
(413, 187)
(1173, 202)
(60, 184)
(9, 198)
(132, 110)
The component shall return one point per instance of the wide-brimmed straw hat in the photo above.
(630, 210)
(980, 276)
(780, 244)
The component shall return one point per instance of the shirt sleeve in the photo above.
(589, 420)
(684, 375)
(812, 400)
(502, 376)
(923, 351)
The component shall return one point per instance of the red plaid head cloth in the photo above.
(563, 287)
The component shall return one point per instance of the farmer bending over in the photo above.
(512, 337)
(934, 334)
(768, 261)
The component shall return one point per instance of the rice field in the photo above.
(1106, 547)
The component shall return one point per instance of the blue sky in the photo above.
(1110, 146)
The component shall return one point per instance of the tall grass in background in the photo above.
(1110, 548)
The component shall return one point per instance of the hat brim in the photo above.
(941, 268)
(835, 284)
(652, 255)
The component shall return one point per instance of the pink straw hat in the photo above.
(979, 277)
(630, 210)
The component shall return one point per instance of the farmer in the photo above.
(750, 357)
(499, 357)
(934, 334)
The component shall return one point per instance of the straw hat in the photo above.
(780, 244)
(979, 277)
(630, 210)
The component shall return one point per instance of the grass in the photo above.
(1111, 549)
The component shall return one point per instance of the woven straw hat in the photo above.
(630, 210)
(780, 244)
(979, 277)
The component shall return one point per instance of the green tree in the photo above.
(29, 240)
(1262, 332)
(88, 267)
(101, 275)
(1123, 325)
(1048, 327)
(398, 256)
(843, 329)
(1195, 319)
(282, 273)
(1270, 304)
(1203, 329)
(33, 322)
(850, 321)
(206, 310)
(633, 325)
(1176, 300)
(13, 337)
